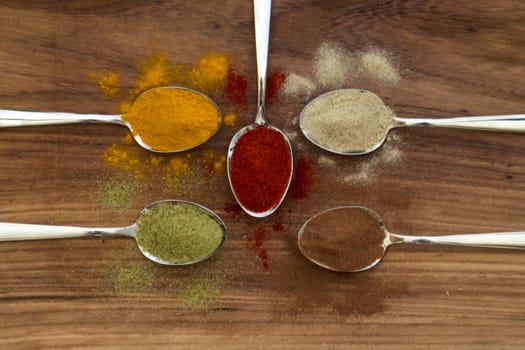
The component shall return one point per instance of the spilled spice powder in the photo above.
(379, 64)
(202, 290)
(107, 82)
(302, 179)
(297, 87)
(233, 209)
(118, 192)
(120, 157)
(236, 88)
(209, 73)
(332, 65)
(229, 119)
(274, 84)
(132, 278)
(257, 241)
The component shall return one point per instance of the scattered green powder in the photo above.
(297, 87)
(347, 120)
(118, 193)
(379, 64)
(132, 279)
(325, 161)
(332, 65)
(201, 291)
(178, 232)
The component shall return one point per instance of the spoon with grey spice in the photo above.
(356, 122)
(168, 232)
(353, 239)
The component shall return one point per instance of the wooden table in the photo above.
(457, 58)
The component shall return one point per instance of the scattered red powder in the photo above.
(303, 178)
(274, 84)
(233, 209)
(278, 226)
(237, 88)
(257, 244)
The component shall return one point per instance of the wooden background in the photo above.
(458, 58)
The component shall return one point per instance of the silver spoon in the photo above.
(23, 232)
(262, 14)
(14, 118)
(330, 247)
(503, 123)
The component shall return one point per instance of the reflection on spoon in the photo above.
(355, 122)
(171, 246)
(143, 119)
(353, 239)
(260, 157)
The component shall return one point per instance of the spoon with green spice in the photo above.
(163, 119)
(354, 238)
(168, 232)
(356, 122)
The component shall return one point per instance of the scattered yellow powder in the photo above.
(218, 165)
(379, 64)
(179, 165)
(118, 156)
(229, 119)
(209, 72)
(107, 82)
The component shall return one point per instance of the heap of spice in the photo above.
(260, 168)
(179, 232)
(347, 120)
(172, 119)
(343, 239)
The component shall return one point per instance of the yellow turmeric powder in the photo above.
(209, 72)
(171, 119)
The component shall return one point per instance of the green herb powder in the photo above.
(178, 232)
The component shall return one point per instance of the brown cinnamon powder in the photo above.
(343, 239)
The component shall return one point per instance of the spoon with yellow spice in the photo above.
(168, 232)
(163, 119)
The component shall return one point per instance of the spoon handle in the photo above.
(262, 13)
(504, 123)
(12, 118)
(508, 240)
(23, 232)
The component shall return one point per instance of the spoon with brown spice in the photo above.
(168, 232)
(353, 239)
(356, 122)
(143, 119)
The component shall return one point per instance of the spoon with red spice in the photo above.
(260, 161)
(353, 239)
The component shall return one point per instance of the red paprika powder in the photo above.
(260, 168)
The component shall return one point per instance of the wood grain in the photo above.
(457, 57)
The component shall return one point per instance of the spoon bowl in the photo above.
(357, 122)
(14, 118)
(21, 232)
(355, 239)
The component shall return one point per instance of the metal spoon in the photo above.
(262, 14)
(23, 232)
(320, 248)
(13, 118)
(503, 123)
